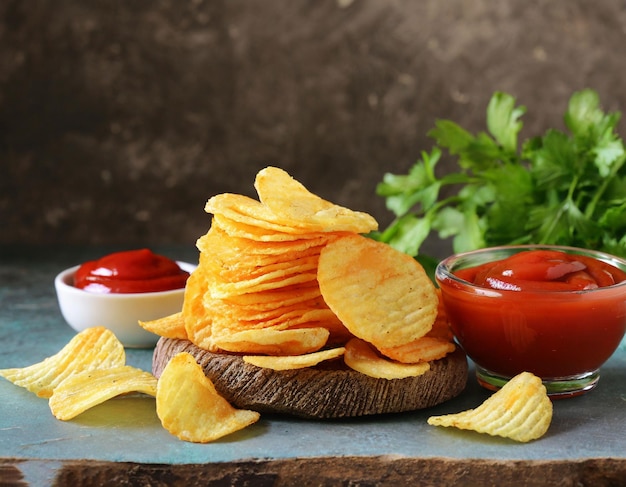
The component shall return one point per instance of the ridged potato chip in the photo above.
(84, 390)
(172, 326)
(296, 205)
(275, 298)
(380, 294)
(299, 273)
(291, 362)
(441, 326)
(424, 349)
(238, 229)
(239, 272)
(91, 349)
(197, 316)
(521, 410)
(362, 357)
(230, 317)
(232, 249)
(296, 341)
(189, 406)
(245, 210)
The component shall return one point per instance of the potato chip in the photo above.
(172, 326)
(84, 390)
(290, 362)
(441, 327)
(380, 294)
(233, 317)
(521, 411)
(269, 341)
(190, 407)
(91, 349)
(238, 229)
(196, 315)
(246, 278)
(276, 298)
(295, 204)
(217, 242)
(424, 349)
(248, 211)
(362, 357)
(228, 289)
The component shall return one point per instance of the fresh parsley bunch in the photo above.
(566, 188)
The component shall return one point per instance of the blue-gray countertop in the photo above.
(122, 440)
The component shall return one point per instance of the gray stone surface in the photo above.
(122, 442)
(118, 120)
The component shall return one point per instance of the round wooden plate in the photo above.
(330, 390)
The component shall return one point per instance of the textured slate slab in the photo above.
(587, 439)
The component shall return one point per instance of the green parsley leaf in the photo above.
(503, 120)
(565, 188)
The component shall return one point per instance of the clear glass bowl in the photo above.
(561, 336)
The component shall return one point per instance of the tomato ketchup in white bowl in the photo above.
(121, 289)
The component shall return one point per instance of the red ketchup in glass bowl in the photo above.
(131, 271)
(558, 312)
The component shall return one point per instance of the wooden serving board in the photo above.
(329, 390)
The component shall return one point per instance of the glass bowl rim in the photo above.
(444, 269)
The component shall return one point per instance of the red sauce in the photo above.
(133, 271)
(512, 323)
(544, 270)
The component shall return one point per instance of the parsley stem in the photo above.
(569, 200)
(591, 207)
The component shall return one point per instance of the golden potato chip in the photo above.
(229, 316)
(196, 315)
(380, 294)
(277, 280)
(339, 334)
(190, 407)
(200, 333)
(87, 389)
(295, 204)
(228, 248)
(250, 277)
(91, 349)
(362, 357)
(269, 341)
(275, 298)
(424, 349)
(248, 211)
(290, 362)
(238, 229)
(441, 327)
(521, 411)
(172, 326)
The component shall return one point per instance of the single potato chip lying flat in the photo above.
(172, 326)
(84, 390)
(91, 349)
(190, 407)
(380, 294)
(296, 341)
(521, 411)
(362, 357)
(291, 362)
(424, 349)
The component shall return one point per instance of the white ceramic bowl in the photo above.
(119, 313)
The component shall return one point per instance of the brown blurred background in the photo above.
(119, 119)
